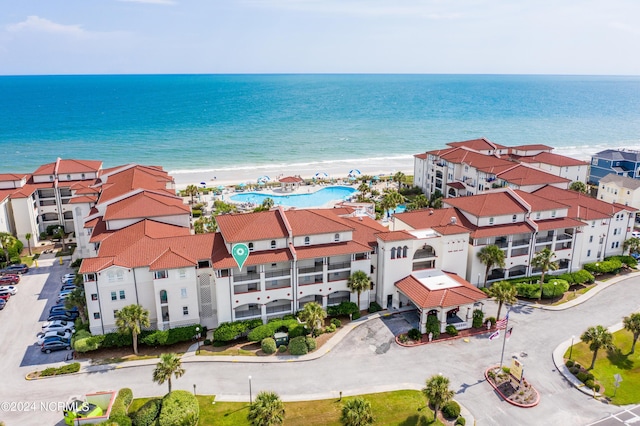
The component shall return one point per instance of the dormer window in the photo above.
(553, 213)
(82, 176)
(250, 246)
(336, 237)
(490, 221)
(514, 218)
(307, 241)
(68, 177)
(51, 178)
(273, 244)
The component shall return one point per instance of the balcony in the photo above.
(563, 246)
(546, 239)
(339, 276)
(276, 284)
(310, 269)
(278, 309)
(424, 254)
(519, 252)
(501, 243)
(310, 279)
(246, 288)
(517, 243)
(45, 203)
(248, 313)
(339, 265)
(278, 273)
(250, 276)
(564, 236)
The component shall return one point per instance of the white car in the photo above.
(10, 288)
(59, 333)
(68, 277)
(59, 325)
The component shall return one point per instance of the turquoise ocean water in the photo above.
(190, 123)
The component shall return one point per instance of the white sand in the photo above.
(335, 170)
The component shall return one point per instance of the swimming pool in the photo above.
(312, 199)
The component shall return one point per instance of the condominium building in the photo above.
(621, 162)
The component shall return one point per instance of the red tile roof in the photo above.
(83, 199)
(395, 236)
(559, 223)
(482, 144)
(482, 162)
(523, 175)
(169, 260)
(125, 179)
(539, 204)
(365, 230)
(424, 298)
(582, 206)
(223, 260)
(488, 204)
(495, 230)
(291, 179)
(243, 227)
(68, 167)
(316, 221)
(331, 249)
(146, 204)
(456, 185)
(532, 147)
(422, 156)
(552, 159)
(5, 177)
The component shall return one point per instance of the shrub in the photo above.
(554, 288)
(582, 376)
(228, 331)
(147, 414)
(282, 348)
(330, 328)
(433, 326)
(582, 277)
(403, 338)
(603, 267)
(589, 384)
(87, 344)
(120, 407)
(374, 307)
(311, 343)
(117, 340)
(182, 334)
(414, 334)
(451, 410)
(355, 316)
(627, 260)
(336, 322)
(528, 291)
(156, 338)
(50, 371)
(296, 330)
(268, 345)
(478, 318)
(69, 368)
(126, 395)
(120, 420)
(206, 342)
(597, 387)
(344, 308)
(492, 320)
(569, 363)
(574, 370)
(506, 370)
(260, 333)
(298, 346)
(179, 408)
(451, 330)
(460, 421)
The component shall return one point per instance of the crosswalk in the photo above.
(630, 416)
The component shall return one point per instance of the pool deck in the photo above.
(277, 192)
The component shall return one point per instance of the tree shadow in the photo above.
(244, 407)
(465, 386)
(522, 308)
(620, 360)
(417, 420)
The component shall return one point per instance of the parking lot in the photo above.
(25, 312)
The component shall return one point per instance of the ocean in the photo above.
(214, 124)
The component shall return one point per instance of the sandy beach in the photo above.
(334, 170)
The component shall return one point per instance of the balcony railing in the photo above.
(424, 254)
(501, 244)
(519, 252)
(564, 236)
(517, 243)
(337, 300)
(278, 273)
(278, 309)
(251, 276)
(339, 276)
(563, 246)
(250, 288)
(248, 313)
(310, 279)
(544, 239)
(275, 284)
(44, 203)
(339, 265)
(310, 269)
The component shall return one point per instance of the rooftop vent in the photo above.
(430, 212)
(453, 220)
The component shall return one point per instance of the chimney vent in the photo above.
(453, 220)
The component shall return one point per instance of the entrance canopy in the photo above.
(433, 289)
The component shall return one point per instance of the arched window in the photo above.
(307, 241)
(163, 296)
(399, 252)
(393, 252)
(273, 244)
(336, 237)
(405, 249)
(250, 246)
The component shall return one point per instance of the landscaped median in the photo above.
(515, 390)
(54, 371)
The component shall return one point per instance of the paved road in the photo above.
(367, 360)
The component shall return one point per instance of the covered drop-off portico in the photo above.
(443, 294)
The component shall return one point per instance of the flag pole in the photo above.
(504, 339)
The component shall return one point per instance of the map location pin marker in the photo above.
(240, 253)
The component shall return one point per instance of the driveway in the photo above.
(367, 360)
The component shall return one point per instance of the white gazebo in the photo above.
(290, 183)
(446, 295)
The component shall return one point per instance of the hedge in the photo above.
(269, 329)
(627, 260)
(147, 414)
(65, 369)
(179, 408)
(147, 337)
(554, 288)
(268, 345)
(120, 407)
(433, 326)
(529, 291)
(229, 331)
(604, 266)
(374, 307)
(298, 346)
(451, 410)
(344, 308)
(87, 344)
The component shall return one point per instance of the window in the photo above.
(615, 232)
(588, 253)
(182, 273)
(94, 296)
(204, 263)
(68, 177)
(553, 213)
(250, 246)
(514, 218)
(591, 238)
(307, 241)
(490, 221)
(593, 224)
(122, 295)
(185, 310)
(393, 252)
(336, 237)
(160, 275)
(96, 315)
(163, 296)
(273, 244)
(114, 296)
(405, 249)
(537, 215)
(82, 176)
(183, 293)
(617, 244)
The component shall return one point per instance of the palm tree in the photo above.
(503, 292)
(192, 191)
(391, 199)
(267, 410)
(632, 244)
(400, 178)
(597, 338)
(490, 256)
(420, 201)
(267, 203)
(27, 237)
(76, 299)
(632, 324)
(543, 261)
(437, 392)
(312, 314)
(6, 240)
(363, 188)
(357, 412)
(169, 365)
(359, 282)
(435, 200)
(131, 319)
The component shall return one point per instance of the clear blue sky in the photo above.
(320, 36)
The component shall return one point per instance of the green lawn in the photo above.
(615, 362)
(406, 408)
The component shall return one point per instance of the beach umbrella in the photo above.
(220, 187)
(242, 185)
(321, 175)
(354, 172)
(352, 178)
(376, 177)
(264, 179)
(204, 184)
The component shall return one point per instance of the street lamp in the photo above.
(194, 388)
(571, 348)
(250, 396)
(198, 341)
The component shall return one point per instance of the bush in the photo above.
(627, 260)
(120, 420)
(296, 330)
(554, 288)
(147, 414)
(311, 343)
(282, 348)
(206, 342)
(492, 320)
(582, 277)
(268, 345)
(604, 266)
(589, 384)
(179, 408)
(478, 318)
(336, 322)
(569, 363)
(460, 421)
(229, 331)
(126, 395)
(156, 338)
(298, 346)
(433, 326)
(528, 291)
(260, 333)
(117, 340)
(574, 370)
(451, 330)
(374, 307)
(344, 308)
(330, 328)
(403, 338)
(65, 369)
(597, 387)
(355, 316)
(451, 410)
(120, 407)
(86, 344)
(414, 334)
(582, 376)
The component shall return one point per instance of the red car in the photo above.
(9, 279)
(5, 295)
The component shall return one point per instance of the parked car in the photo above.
(67, 277)
(13, 269)
(66, 326)
(10, 288)
(69, 281)
(67, 287)
(3, 303)
(5, 295)
(63, 316)
(61, 309)
(9, 279)
(55, 345)
(54, 333)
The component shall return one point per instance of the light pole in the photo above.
(198, 340)
(194, 388)
(571, 348)
(250, 396)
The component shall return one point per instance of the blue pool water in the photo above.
(312, 199)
